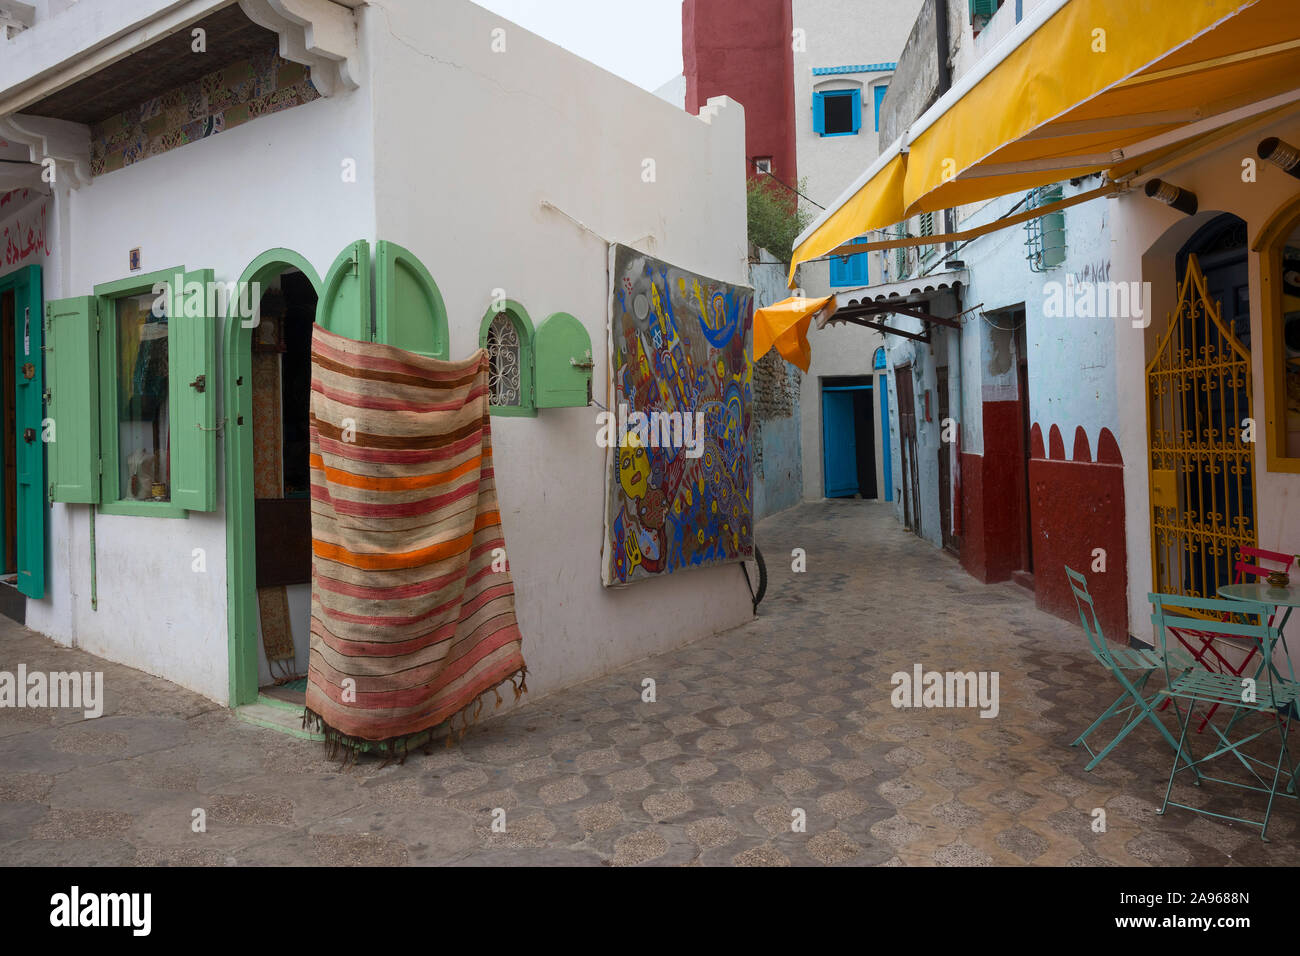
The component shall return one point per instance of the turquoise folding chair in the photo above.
(1268, 693)
(1132, 667)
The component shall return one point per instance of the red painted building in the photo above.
(742, 49)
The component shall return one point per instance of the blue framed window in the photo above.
(851, 271)
(837, 112)
(879, 360)
(880, 98)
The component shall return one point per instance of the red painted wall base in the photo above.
(992, 504)
(1077, 508)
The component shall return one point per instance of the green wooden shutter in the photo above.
(409, 311)
(72, 367)
(192, 396)
(344, 305)
(562, 363)
(31, 510)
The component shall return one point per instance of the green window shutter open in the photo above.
(562, 363)
(927, 229)
(344, 306)
(72, 370)
(409, 311)
(192, 394)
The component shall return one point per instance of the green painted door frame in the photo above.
(241, 533)
(408, 313)
(31, 510)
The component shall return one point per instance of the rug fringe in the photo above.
(348, 748)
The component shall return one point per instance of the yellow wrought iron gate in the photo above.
(1202, 455)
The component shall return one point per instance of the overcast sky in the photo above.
(640, 40)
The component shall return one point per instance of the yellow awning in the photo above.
(1081, 86)
(785, 325)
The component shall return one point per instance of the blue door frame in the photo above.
(839, 456)
(837, 488)
(885, 450)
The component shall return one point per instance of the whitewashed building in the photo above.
(845, 55)
(428, 155)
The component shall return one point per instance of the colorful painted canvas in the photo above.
(679, 489)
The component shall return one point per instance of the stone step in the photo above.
(276, 715)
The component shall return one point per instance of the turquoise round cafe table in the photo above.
(1261, 592)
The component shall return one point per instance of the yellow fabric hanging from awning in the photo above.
(1096, 84)
(785, 326)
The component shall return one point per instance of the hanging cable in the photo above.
(772, 175)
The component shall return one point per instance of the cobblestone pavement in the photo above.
(790, 712)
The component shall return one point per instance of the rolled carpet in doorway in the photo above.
(413, 608)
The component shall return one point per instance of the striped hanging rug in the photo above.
(413, 607)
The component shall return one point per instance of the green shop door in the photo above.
(23, 510)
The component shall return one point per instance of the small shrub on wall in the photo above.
(775, 215)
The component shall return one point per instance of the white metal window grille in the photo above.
(503, 355)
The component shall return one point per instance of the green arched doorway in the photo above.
(241, 561)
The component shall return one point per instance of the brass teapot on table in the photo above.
(1280, 579)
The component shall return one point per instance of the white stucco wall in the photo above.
(778, 479)
(465, 192)
(216, 203)
(1069, 359)
(1145, 236)
(842, 33)
(674, 92)
(924, 358)
(839, 33)
(460, 179)
(1070, 373)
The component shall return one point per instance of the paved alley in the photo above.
(790, 712)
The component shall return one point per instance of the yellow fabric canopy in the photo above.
(1087, 86)
(785, 325)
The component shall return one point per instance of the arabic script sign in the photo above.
(24, 236)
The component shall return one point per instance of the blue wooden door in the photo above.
(839, 445)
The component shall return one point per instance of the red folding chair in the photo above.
(1207, 646)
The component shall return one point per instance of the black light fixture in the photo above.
(1181, 199)
(1282, 155)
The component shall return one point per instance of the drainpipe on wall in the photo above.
(944, 73)
(94, 578)
(941, 39)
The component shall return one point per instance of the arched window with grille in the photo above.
(507, 333)
(503, 353)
